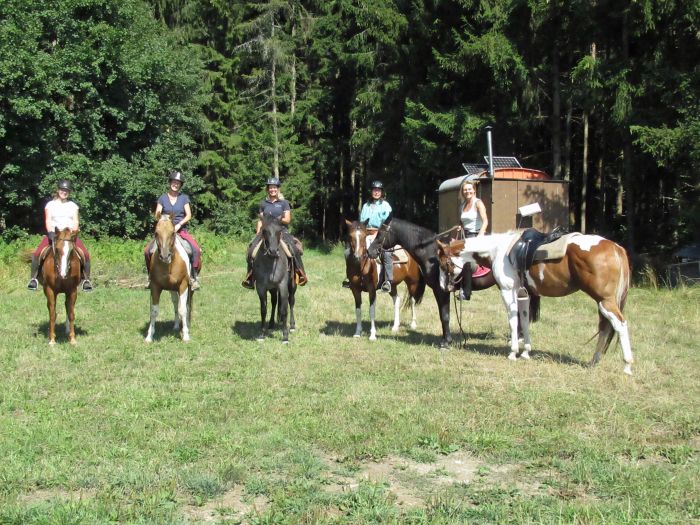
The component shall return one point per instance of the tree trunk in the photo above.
(556, 116)
(584, 173)
(627, 186)
(275, 131)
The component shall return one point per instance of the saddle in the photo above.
(45, 252)
(398, 254)
(535, 246)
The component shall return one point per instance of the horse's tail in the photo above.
(420, 289)
(623, 285)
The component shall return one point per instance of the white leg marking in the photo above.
(623, 333)
(413, 314)
(397, 307)
(152, 326)
(372, 328)
(358, 326)
(511, 304)
(176, 303)
(182, 311)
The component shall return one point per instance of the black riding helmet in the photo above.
(377, 184)
(176, 175)
(273, 181)
(64, 185)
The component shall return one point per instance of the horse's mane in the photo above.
(417, 236)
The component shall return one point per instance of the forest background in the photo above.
(331, 94)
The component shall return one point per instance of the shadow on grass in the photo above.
(163, 330)
(61, 336)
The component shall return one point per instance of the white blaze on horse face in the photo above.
(358, 244)
(64, 259)
(586, 242)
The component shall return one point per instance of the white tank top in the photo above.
(61, 214)
(471, 220)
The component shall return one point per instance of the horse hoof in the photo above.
(292, 329)
(73, 342)
(372, 337)
(52, 343)
(394, 329)
(628, 370)
(414, 326)
(525, 355)
(512, 356)
(285, 342)
(186, 339)
(261, 338)
(357, 335)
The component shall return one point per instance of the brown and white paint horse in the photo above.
(60, 273)
(170, 270)
(363, 274)
(595, 265)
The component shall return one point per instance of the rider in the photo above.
(178, 204)
(61, 213)
(474, 222)
(275, 206)
(376, 211)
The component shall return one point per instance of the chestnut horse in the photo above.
(597, 266)
(170, 270)
(363, 274)
(60, 273)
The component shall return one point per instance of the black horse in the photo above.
(272, 272)
(420, 243)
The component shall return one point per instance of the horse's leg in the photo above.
(274, 295)
(524, 322)
(175, 297)
(413, 313)
(262, 295)
(183, 300)
(397, 307)
(610, 311)
(51, 304)
(510, 301)
(70, 315)
(155, 300)
(443, 302)
(357, 294)
(292, 299)
(283, 309)
(372, 314)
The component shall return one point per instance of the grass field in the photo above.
(331, 429)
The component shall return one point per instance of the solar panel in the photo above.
(504, 162)
(474, 169)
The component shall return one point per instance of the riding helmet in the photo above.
(377, 184)
(64, 185)
(176, 175)
(273, 181)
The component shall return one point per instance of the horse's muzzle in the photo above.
(166, 259)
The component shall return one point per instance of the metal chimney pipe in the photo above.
(488, 141)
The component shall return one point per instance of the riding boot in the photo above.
(388, 264)
(249, 281)
(86, 284)
(466, 291)
(301, 277)
(194, 279)
(33, 284)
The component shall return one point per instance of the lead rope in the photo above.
(458, 311)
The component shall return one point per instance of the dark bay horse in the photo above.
(272, 271)
(363, 274)
(420, 243)
(170, 270)
(60, 273)
(590, 263)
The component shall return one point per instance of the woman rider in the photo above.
(61, 213)
(178, 204)
(474, 222)
(274, 206)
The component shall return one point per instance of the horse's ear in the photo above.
(441, 245)
(348, 223)
(365, 223)
(389, 218)
(56, 230)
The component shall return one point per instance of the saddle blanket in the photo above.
(553, 250)
(399, 255)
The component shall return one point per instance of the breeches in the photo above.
(78, 244)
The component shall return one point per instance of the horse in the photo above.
(273, 272)
(597, 266)
(363, 274)
(60, 273)
(170, 270)
(420, 243)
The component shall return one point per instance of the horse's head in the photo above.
(357, 235)
(63, 245)
(165, 237)
(383, 240)
(271, 232)
(450, 263)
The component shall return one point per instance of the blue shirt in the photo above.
(274, 209)
(376, 211)
(177, 209)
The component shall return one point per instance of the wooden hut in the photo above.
(511, 188)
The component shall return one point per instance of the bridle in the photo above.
(171, 242)
(57, 260)
(363, 259)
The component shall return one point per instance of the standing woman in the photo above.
(61, 213)
(178, 204)
(474, 222)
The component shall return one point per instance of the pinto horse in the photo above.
(60, 273)
(363, 274)
(170, 270)
(420, 243)
(597, 266)
(272, 272)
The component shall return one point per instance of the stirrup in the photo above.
(86, 285)
(248, 283)
(33, 284)
(194, 284)
(301, 279)
(386, 287)
(346, 284)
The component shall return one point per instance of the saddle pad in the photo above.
(400, 255)
(480, 271)
(186, 245)
(553, 250)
